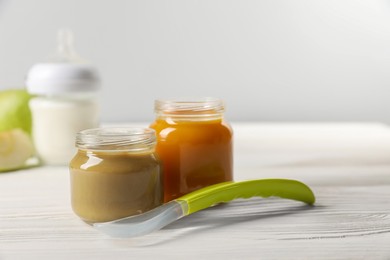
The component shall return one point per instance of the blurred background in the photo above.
(270, 60)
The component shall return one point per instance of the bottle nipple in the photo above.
(65, 48)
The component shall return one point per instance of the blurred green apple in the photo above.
(16, 148)
(14, 110)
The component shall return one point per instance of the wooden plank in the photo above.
(349, 221)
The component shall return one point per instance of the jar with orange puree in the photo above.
(194, 143)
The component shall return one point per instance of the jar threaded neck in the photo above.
(116, 139)
(205, 108)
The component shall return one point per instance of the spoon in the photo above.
(165, 214)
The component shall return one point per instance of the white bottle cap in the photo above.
(65, 73)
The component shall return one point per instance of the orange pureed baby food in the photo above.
(194, 144)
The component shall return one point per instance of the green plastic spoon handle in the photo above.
(227, 191)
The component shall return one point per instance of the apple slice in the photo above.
(16, 148)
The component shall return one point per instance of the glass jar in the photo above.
(194, 143)
(115, 173)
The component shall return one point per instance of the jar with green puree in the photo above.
(115, 173)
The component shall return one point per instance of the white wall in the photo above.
(269, 59)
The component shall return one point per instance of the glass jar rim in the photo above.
(116, 138)
(189, 106)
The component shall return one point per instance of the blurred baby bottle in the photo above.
(64, 101)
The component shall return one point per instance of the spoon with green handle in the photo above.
(161, 216)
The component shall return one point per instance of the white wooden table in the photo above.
(347, 165)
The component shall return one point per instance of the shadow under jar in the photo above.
(194, 143)
(115, 173)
